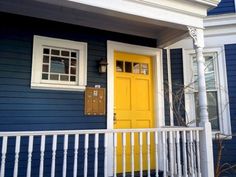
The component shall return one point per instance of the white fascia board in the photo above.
(208, 2)
(220, 20)
(156, 13)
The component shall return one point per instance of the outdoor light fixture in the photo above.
(103, 65)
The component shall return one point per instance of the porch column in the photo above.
(206, 150)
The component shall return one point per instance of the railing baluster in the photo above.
(124, 153)
(141, 153)
(65, 155)
(3, 158)
(30, 149)
(148, 154)
(156, 152)
(86, 145)
(185, 163)
(164, 153)
(54, 148)
(198, 154)
(132, 154)
(17, 150)
(96, 155)
(171, 151)
(76, 147)
(114, 154)
(179, 167)
(105, 154)
(191, 154)
(42, 149)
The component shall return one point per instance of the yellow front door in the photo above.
(133, 103)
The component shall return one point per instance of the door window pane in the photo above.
(119, 66)
(128, 67)
(136, 67)
(144, 69)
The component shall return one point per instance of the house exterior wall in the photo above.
(177, 81)
(23, 108)
(224, 7)
(230, 145)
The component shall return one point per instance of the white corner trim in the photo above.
(158, 85)
(170, 87)
(224, 114)
(36, 72)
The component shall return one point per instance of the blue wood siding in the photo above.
(23, 108)
(166, 87)
(229, 151)
(225, 6)
(177, 85)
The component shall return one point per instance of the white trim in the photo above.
(220, 20)
(235, 6)
(170, 86)
(158, 84)
(38, 83)
(169, 14)
(224, 111)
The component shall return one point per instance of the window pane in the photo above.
(45, 59)
(73, 54)
(212, 109)
(64, 78)
(73, 62)
(209, 63)
(210, 80)
(128, 67)
(72, 78)
(144, 69)
(55, 52)
(73, 70)
(45, 76)
(45, 68)
(46, 51)
(136, 67)
(59, 65)
(119, 66)
(209, 73)
(54, 77)
(65, 53)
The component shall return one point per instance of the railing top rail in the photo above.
(99, 131)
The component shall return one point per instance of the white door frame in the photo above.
(158, 85)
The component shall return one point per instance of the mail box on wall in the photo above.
(94, 101)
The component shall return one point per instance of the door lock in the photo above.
(114, 117)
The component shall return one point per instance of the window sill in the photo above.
(57, 87)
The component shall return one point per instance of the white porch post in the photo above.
(207, 166)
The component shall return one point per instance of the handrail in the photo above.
(99, 131)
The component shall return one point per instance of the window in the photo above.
(216, 86)
(59, 64)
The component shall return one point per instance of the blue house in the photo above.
(121, 88)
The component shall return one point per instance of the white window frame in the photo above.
(37, 59)
(222, 86)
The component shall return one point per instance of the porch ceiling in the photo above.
(165, 32)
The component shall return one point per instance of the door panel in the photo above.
(133, 104)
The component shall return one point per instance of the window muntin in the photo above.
(60, 65)
(211, 89)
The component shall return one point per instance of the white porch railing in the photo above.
(168, 152)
